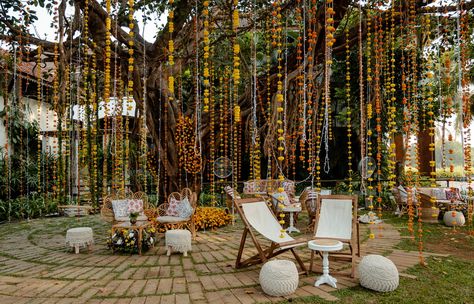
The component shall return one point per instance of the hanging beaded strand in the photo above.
(236, 83)
(40, 104)
(348, 112)
(106, 97)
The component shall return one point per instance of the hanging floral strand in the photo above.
(348, 112)
(40, 104)
(106, 96)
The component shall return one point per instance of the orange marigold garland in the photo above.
(40, 104)
(185, 139)
(106, 95)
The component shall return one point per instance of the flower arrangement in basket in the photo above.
(126, 240)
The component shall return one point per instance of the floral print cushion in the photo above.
(173, 207)
(135, 205)
(249, 187)
(439, 194)
(120, 208)
(184, 209)
(453, 194)
(281, 197)
(289, 187)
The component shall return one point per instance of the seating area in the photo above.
(236, 151)
(206, 275)
(117, 206)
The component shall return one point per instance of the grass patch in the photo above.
(436, 238)
(447, 280)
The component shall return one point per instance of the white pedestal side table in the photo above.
(291, 210)
(325, 246)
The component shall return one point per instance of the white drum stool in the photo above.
(325, 246)
(279, 278)
(81, 236)
(178, 240)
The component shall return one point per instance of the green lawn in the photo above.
(442, 280)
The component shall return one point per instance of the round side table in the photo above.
(325, 246)
(291, 210)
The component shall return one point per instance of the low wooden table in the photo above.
(75, 210)
(139, 225)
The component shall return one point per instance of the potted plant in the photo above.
(133, 217)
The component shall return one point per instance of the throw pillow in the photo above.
(172, 208)
(120, 208)
(184, 208)
(453, 194)
(229, 191)
(249, 187)
(289, 187)
(439, 194)
(403, 194)
(281, 197)
(135, 205)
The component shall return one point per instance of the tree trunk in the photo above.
(424, 153)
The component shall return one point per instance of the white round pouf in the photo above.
(81, 236)
(454, 218)
(378, 273)
(279, 278)
(178, 240)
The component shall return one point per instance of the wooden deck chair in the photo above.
(256, 214)
(336, 219)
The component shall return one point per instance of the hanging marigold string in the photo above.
(106, 97)
(348, 112)
(206, 40)
(185, 136)
(94, 183)
(39, 79)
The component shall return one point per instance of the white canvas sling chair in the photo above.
(256, 215)
(336, 219)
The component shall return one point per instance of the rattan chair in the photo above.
(175, 222)
(107, 212)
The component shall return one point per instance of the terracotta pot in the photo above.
(429, 215)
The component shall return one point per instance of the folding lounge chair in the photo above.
(256, 214)
(336, 219)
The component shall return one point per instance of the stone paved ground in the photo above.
(35, 267)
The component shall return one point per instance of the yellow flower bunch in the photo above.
(205, 13)
(211, 218)
(237, 114)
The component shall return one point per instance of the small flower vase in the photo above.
(133, 220)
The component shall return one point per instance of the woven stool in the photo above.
(81, 236)
(378, 273)
(178, 240)
(279, 278)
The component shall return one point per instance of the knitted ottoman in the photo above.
(81, 236)
(279, 278)
(178, 240)
(378, 273)
(454, 218)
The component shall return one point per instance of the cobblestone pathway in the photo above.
(35, 267)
